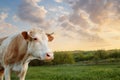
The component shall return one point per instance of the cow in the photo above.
(17, 50)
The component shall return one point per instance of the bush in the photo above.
(63, 58)
(100, 54)
(78, 57)
(83, 56)
(114, 54)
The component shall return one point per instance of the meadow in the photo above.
(74, 72)
(77, 65)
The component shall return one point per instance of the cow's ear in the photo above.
(25, 35)
(50, 37)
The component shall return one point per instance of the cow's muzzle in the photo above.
(49, 56)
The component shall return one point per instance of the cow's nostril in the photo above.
(48, 55)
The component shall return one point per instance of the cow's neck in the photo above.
(28, 58)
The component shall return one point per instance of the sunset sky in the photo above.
(77, 24)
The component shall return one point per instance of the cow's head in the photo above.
(38, 43)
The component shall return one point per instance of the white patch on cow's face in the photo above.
(38, 46)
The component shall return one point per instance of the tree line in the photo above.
(72, 57)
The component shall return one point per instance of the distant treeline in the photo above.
(71, 57)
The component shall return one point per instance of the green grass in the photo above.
(73, 72)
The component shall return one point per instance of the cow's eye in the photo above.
(35, 39)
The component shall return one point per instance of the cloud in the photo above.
(30, 11)
(75, 31)
(46, 25)
(62, 18)
(16, 18)
(89, 17)
(34, 14)
(59, 1)
(3, 16)
(6, 28)
(99, 11)
(80, 27)
(56, 9)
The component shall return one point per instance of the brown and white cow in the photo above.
(18, 50)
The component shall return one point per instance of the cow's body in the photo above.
(16, 52)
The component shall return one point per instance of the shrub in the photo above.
(78, 57)
(114, 54)
(100, 54)
(83, 56)
(63, 58)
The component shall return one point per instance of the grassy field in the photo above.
(74, 72)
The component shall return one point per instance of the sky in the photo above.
(77, 24)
